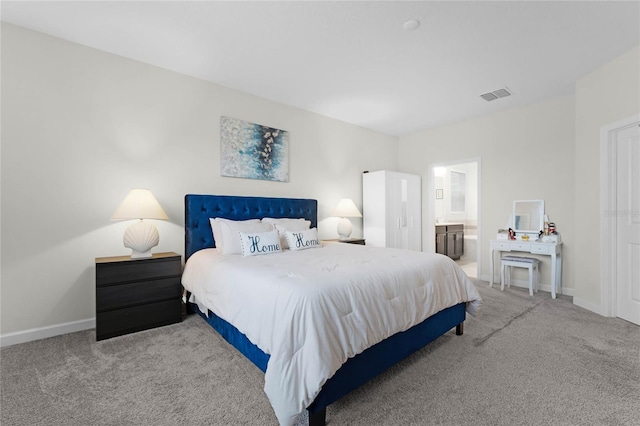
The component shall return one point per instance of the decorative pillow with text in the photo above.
(260, 243)
(231, 234)
(282, 225)
(302, 240)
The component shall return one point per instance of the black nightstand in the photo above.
(137, 294)
(359, 241)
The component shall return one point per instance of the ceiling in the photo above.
(353, 60)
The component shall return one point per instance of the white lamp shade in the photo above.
(139, 204)
(346, 208)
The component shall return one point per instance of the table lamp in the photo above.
(345, 209)
(140, 236)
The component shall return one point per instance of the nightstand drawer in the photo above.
(136, 293)
(136, 270)
(137, 318)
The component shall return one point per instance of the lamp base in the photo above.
(344, 228)
(137, 255)
(141, 237)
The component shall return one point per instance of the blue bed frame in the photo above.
(357, 370)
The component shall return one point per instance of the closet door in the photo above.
(375, 210)
(405, 198)
(401, 205)
(414, 203)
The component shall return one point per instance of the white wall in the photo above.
(526, 153)
(80, 127)
(533, 152)
(605, 96)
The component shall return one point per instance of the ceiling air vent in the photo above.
(500, 93)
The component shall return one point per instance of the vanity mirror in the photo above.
(528, 216)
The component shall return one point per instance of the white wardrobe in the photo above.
(392, 209)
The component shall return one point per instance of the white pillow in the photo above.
(284, 220)
(231, 234)
(255, 243)
(217, 232)
(302, 240)
(283, 225)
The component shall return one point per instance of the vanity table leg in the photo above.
(492, 261)
(559, 272)
(553, 275)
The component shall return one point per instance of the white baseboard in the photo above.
(565, 291)
(485, 278)
(45, 332)
(71, 327)
(590, 306)
(525, 284)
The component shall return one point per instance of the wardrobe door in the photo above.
(399, 183)
(404, 200)
(374, 208)
(414, 208)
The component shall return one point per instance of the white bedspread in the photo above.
(311, 310)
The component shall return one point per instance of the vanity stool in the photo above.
(519, 262)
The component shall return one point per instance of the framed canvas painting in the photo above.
(253, 151)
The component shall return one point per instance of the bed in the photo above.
(358, 367)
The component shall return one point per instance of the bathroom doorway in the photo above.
(455, 201)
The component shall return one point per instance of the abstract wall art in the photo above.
(253, 151)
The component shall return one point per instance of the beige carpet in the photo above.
(522, 361)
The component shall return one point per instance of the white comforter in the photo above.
(312, 310)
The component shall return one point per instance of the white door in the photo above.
(374, 206)
(628, 224)
(414, 196)
(393, 193)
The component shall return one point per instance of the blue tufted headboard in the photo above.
(198, 209)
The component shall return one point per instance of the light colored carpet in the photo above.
(523, 361)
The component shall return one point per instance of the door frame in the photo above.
(608, 204)
(429, 214)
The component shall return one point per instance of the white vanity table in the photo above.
(534, 247)
(527, 221)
